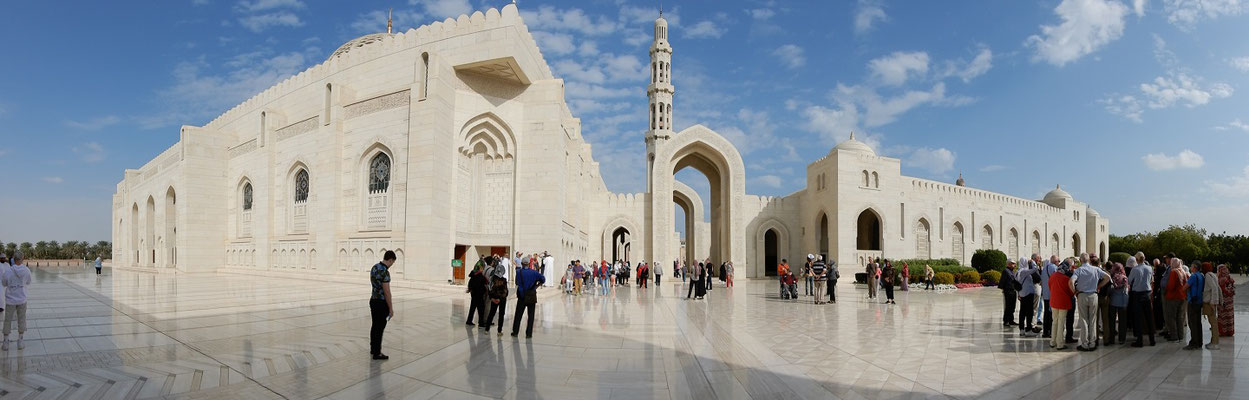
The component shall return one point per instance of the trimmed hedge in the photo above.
(917, 269)
(1119, 257)
(992, 276)
(969, 277)
(943, 278)
(988, 260)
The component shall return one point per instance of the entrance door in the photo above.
(457, 264)
(769, 257)
(501, 251)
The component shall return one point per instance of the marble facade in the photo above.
(454, 139)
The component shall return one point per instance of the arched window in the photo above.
(424, 75)
(875, 180)
(329, 91)
(379, 173)
(653, 117)
(301, 186)
(866, 179)
(247, 196)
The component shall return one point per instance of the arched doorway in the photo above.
(823, 236)
(956, 240)
(621, 245)
(923, 239)
(1055, 242)
(149, 217)
(1101, 250)
(715, 158)
(484, 179)
(986, 237)
(171, 228)
(686, 200)
(1075, 244)
(770, 252)
(869, 235)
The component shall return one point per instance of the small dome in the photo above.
(358, 42)
(852, 145)
(960, 181)
(1056, 195)
(1091, 213)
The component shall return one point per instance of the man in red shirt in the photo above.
(782, 269)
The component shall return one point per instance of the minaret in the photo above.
(660, 91)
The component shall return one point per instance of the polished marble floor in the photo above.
(129, 335)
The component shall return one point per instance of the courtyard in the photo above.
(125, 335)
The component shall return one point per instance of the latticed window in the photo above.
(301, 186)
(379, 173)
(247, 197)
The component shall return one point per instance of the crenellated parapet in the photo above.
(411, 39)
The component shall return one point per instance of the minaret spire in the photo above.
(390, 19)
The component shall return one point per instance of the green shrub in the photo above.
(1119, 257)
(986, 260)
(992, 276)
(969, 277)
(943, 278)
(917, 268)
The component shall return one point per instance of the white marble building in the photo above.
(454, 140)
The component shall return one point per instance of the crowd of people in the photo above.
(1108, 299)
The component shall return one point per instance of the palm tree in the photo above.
(54, 250)
(27, 249)
(41, 249)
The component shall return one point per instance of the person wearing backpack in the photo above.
(1009, 286)
(527, 281)
(833, 275)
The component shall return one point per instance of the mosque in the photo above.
(454, 140)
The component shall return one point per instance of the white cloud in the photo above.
(587, 49)
(1235, 124)
(1125, 106)
(761, 13)
(1240, 63)
(94, 124)
(548, 18)
(883, 110)
(198, 92)
(1180, 88)
(896, 68)
(978, 66)
(1138, 7)
(993, 168)
(258, 23)
(443, 9)
(1186, 159)
(703, 30)
(1186, 13)
(623, 67)
(263, 5)
(90, 152)
(790, 55)
(1235, 186)
(554, 43)
(936, 161)
(54, 179)
(1086, 26)
(771, 181)
(867, 14)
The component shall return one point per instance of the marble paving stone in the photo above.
(228, 336)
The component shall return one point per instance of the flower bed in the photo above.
(969, 285)
(919, 287)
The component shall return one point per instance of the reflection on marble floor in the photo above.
(131, 335)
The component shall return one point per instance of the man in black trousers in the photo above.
(380, 304)
(1009, 296)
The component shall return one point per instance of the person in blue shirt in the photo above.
(1194, 289)
(527, 282)
(1140, 306)
(1027, 275)
(1085, 282)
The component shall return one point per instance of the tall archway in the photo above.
(823, 235)
(715, 158)
(149, 239)
(171, 228)
(621, 245)
(618, 239)
(134, 247)
(686, 199)
(923, 239)
(1036, 242)
(1012, 244)
(1075, 244)
(1055, 244)
(956, 240)
(770, 252)
(485, 183)
(1101, 250)
(986, 237)
(869, 231)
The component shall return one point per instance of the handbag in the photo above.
(531, 296)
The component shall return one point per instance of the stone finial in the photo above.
(851, 135)
(960, 181)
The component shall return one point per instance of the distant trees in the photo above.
(1188, 242)
(73, 249)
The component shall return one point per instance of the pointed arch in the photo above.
(1036, 242)
(1012, 244)
(957, 236)
(923, 238)
(376, 171)
(772, 240)
(487, 133)
(870, 227)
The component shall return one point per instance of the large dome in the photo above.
(855, 146)
(358, 42)
(1056, 195)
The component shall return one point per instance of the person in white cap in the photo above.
(807, 278)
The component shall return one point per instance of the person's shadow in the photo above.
(526, 387)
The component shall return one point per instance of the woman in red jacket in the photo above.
(1060, 301)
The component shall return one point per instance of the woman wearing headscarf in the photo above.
(1116, 319)
(1212, 298)
(1226, 317)
(888, 277)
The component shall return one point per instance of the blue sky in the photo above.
(1138, 107)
